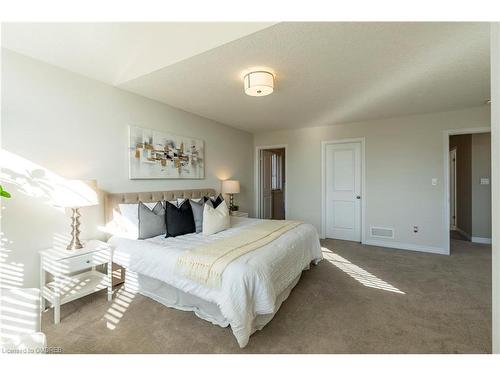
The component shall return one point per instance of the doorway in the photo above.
(453, 188)
(271, 189)
(469, 187)
(342, 190)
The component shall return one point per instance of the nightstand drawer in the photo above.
(81, 262)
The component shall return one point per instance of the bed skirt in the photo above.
(172, 297)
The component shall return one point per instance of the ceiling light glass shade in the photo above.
(259, 83)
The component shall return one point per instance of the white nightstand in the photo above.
(239, 214)
(69, 285)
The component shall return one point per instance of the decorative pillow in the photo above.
(179, 220)
(197, 208)
(217, 200)
(129, 214)
(151, 221)
(120, 227)
(215, 219)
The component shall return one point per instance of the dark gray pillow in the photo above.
(179, 220)
(151, 221)
(198, 212)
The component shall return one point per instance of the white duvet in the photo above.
(250, 284)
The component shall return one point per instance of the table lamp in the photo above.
(75, 194)
(231, 187)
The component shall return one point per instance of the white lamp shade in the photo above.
(230, 186)
(260, 83)
(76, 193)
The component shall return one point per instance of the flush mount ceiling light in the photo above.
(259, 83)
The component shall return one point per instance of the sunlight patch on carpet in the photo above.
(359, 274)
(122, 300)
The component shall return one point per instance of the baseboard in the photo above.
(484, 240)
(407, 246)
(464, 233)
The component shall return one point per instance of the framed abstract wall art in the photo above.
(155, 155)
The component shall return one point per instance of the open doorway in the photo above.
(271, 188)
(469, 171)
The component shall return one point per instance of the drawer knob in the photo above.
(88, 261)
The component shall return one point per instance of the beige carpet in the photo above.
(456, 235)
(363, 299)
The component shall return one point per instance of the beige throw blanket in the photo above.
(206, 263)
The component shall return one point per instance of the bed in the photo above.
(253, 286)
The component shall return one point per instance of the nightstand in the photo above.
(75, 274)
(239, 213)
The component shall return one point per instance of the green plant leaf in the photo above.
(4, 193)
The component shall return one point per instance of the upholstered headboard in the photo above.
(112, 200)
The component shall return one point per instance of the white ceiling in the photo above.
(326, 73)
(118, 52)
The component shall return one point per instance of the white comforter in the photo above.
(250, 284)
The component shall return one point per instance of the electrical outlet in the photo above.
(415, 229)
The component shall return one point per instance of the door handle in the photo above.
(358, 196)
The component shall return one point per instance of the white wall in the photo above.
(495, 180)
(481, 194)
(56, 123)
(402, 156)
(463, 145)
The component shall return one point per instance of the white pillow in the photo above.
(130, 212)
(130, 215)
(215, 219)
(121, 227)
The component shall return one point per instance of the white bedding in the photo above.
(250, 284)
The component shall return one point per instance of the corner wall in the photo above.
(495, 180)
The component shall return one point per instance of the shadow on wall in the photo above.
(31, 219)
(19, 313)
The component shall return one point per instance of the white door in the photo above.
(453, 189)
(343, 191)
(266, 188)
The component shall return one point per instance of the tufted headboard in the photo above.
(112, 200)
